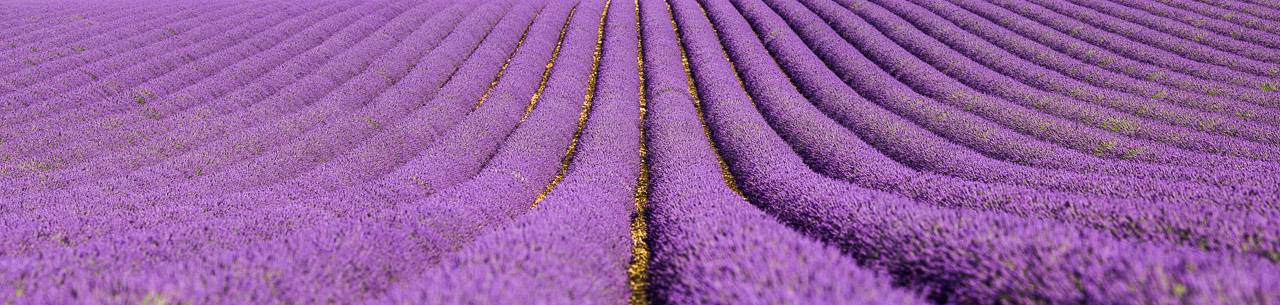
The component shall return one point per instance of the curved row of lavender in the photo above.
(640, 152)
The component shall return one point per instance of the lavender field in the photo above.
(640, 152)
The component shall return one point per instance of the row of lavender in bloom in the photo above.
(682, 151)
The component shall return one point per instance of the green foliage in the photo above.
(1104, 147)
(1270, 86)
(1213, 91)
(372, 123)
(1179, 290)
(154, 298)
(1131, 152)
(1119, 125)
(1155, 75)
(1160, 95)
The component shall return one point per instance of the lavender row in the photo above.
(18, 21)
(117, 87)
(1102, 71)
(294, 109)
(111, 121)
(655, 151)
(455, 152)
(71, 73)
(1235, 17)
(79, 87)
(1248, 50)
(70, 149)
(106, 190)
(708, 244)
(39, 40)
(135, 36)
(904, 140)
(522, 257)
(226, 92)
(833, 151)
(437, 225)
(1133, 47)
(1127, 59)
(357, 116)
(965, 256)
(400, 140)
(526, 161)
(1221, 27)
(475, 21)
(154, 98)
(1268, 12)
(32, 38)
(305, 239)
(120, 60)
(1233, 117)
(1187, 49)
(1016, 104)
